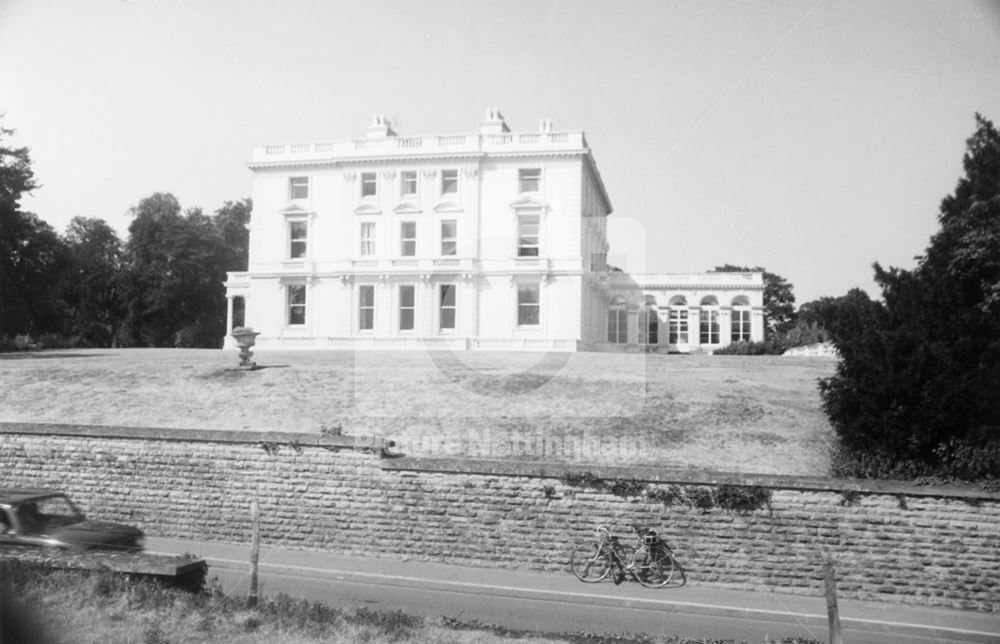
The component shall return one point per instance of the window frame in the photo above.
(522, 247)
(708, 326)
(367, 241)
(740, 329)
(404, 177)
(649, 326)
(449, 172)
(293, 240)
(366, 308)
(449, 242)
(404, 240)
(295, 183)
(443, 307)
(369, 179)
(617, 323)
(523, 307)
(523, 177)
(291, 306)
(678, 329)
(402, 308)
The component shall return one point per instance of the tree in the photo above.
(175, 274)
(92, 287)
(31, 253)
(919, 376)
(779, 300)
(232, 220)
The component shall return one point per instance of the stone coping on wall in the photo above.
(195, 435)
(682, 476)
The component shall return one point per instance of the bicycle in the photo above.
(650, 561)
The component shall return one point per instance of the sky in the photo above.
(809, 137)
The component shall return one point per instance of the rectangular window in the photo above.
(408, 238)
(529, 179)
(709, 327)
(407, 307)
(297, 232)
(297, 304)
(366, 307)
(298, 188)
(448, 306)
(617, 326)
(528, 305)
(449, 238)
(678, 333)
(408, 183)
(369, 184)
(449, 182)
(368, 239)
(741, 325)
(527, 235)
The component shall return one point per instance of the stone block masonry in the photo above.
(892, 542)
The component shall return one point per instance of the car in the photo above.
(47, 518)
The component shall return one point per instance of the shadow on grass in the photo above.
(235, 373)
(45, 355)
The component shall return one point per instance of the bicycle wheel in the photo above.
(657, 569)
(589, 563)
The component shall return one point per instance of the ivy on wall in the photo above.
(727, 496)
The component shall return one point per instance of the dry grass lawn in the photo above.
(730, 413)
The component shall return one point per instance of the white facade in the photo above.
(493, 240)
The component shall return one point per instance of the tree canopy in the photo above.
(163, 287)
(31, 255)
(919, 378)
(176, 266)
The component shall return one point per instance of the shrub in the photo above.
(53, 341)
(805, 333)
(772, 346)
(742, 498)
(582, 479)
(965, 460)
(701, 497)
(625, 487)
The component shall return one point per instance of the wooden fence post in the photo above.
(832, 612)
(254, 553)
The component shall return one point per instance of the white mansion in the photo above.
(491, 240)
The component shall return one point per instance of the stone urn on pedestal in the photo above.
(245, 338)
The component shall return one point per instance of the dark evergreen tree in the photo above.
(919, 378)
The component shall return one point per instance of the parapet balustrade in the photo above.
(453, 143)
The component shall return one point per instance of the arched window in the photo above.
(677, 332)
(617, 322)
(740, 328)
(709, 318)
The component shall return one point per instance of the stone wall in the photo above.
(919, 545)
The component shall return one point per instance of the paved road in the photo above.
(558, 603)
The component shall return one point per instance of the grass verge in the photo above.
(41, 605)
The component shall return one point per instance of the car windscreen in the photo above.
(47, 512)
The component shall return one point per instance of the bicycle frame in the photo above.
(650, 560)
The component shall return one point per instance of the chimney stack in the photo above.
(380, 128)
(494, 123)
